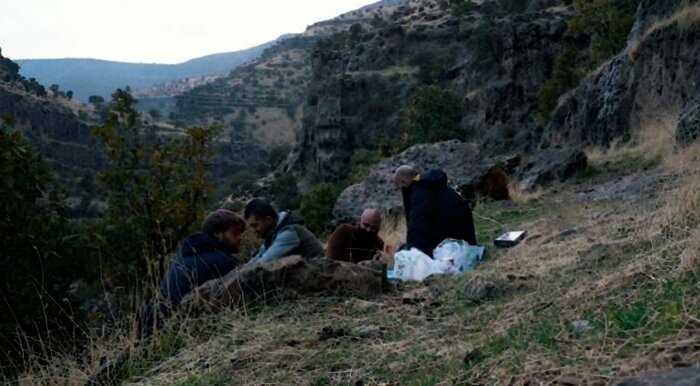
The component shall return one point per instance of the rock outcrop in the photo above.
(57, 132)
(471, 172)
(361, 80)
(651, 85)
(293, 274)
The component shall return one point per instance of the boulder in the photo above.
(676, 377)
(479, 289)
(688, 128)
(469, 172)
(294, 274)
(551, 165)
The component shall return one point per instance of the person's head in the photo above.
(261, 216)
(371, 221)
(404, 175)
(225, 226)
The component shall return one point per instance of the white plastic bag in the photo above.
(460, 254)
(415, 265)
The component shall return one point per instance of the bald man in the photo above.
(356, 243)
(434, 211)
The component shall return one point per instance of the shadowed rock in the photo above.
(677, 377)
(259, 282)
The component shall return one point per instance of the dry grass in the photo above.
(598, 261)
(684, 18)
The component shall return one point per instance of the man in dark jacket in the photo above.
(283, 233)
(434, 211)
(356, 243)
(204, 256)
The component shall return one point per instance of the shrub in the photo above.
(285, 193)
(565, 76)
(432, 115)
(360, 163)
(42, 252)
(608, 22)
(317, 207)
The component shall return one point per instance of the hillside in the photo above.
(267, 95)
(599, 291)
(87, 77)
(574, 121)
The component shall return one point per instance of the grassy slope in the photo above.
(606, 250)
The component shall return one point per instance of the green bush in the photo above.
(284, 192)
(360, 164)
(565, 76)
(432, 115)
(317, 207)
(608, 22)
(42, 252)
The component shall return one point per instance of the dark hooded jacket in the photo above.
(200, 258)
(435, 212)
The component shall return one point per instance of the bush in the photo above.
(433, 64)
(284, 192)
(42, 252)
(360, 163)
(608, 22)
(565, 76)
(317, 207)
(432, 115)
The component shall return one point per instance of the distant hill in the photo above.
(101, 77)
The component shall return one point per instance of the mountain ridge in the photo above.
(90, 76)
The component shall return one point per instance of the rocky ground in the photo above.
(604, 287)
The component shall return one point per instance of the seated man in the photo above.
(434, 211)
(204, 256)
(355, 243)
(283, 233)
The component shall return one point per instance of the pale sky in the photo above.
(162, 31)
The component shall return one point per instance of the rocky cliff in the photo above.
(650, 88)
(51, 123)
(493, 59)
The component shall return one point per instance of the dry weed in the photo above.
(684, 18)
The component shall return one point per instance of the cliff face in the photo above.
(54, 128)
(494, 60)
(650, 87)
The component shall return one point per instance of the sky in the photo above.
(153, 31)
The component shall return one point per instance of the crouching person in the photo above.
(283, 234)
(201, 257)
(356, 243)
(204, 256)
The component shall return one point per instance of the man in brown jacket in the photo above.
(356, 243)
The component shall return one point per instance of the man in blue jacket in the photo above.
(434, 211)
(283, 234)
(204, 256)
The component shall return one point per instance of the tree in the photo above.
(155, 114)
(41, 251)
(156, 188)
(608, 22)
(54, 89)
(69, 94)
(432, 115)
(317, 207)
(96, 100)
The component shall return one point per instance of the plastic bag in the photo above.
(414, 265)
(460, 254)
